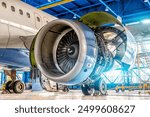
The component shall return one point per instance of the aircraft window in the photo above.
(21, 12)
(13, 8)
(4, 5)
(38, 19)
(28, 15)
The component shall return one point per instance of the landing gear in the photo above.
(97, 88)
(8, 86)
(65, 89)
(15, 87)
(18, 87)
(86, 89)
(100, 86)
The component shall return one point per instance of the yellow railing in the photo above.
(55, 4)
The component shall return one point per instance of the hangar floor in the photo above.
(75, 95)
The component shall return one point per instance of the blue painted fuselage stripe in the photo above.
(14, 57)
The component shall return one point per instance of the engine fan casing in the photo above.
(47, 44)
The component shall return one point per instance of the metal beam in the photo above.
(70, 11)
(108, 7)
(53, 11)
(89, 1)
(38, 4)
(117, 77)
(147, 2)
(137, 75)
(107, 78)
(53, 4)
(86, 7)
(137, 13)
(76, 4)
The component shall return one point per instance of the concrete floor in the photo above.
(75, 95)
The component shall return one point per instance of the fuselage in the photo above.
(19, 23)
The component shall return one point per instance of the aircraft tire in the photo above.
(8, 86)
(86, 90)
(100, 86)
(18, 87)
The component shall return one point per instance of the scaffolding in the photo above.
(138, 78)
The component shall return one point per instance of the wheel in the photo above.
(8, 86)
(100, 86)
(96, 93)
(18, 87)
(123, 89)
(65, 89)
(86, 90)
(117, 90)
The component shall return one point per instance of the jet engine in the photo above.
(73, 52)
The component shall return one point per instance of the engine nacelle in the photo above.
(66, 51)
(70, 52)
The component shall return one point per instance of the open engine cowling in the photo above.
(71, 52)
(66, 51)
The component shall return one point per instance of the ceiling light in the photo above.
(106, 9)
(146, 0)
(146, 21)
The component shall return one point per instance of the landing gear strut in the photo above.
(13, 85)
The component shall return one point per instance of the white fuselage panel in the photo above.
(18, 21)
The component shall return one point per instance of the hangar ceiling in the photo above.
(128, 10)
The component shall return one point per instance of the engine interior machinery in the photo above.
(77, 52)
